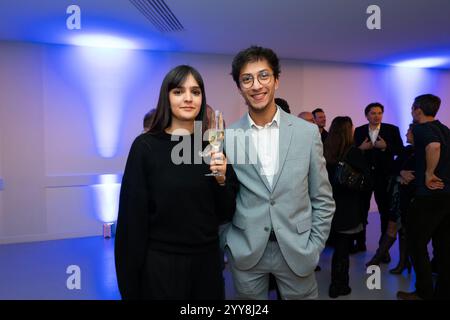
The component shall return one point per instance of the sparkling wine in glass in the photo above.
(216, 135)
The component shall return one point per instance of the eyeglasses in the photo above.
(247, 80)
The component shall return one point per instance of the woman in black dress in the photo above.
(348, 218)
(167, 244)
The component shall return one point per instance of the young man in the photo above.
(321, 120)
(429, 216)
(380, 142)
(285, 205)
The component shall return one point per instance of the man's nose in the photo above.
(256, 84)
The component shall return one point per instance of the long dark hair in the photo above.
(174, 78)
(339, 139)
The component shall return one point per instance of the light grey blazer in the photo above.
(299, 205)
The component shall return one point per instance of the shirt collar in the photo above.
(377, 128)
(275, 121)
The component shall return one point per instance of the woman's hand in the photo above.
(407, 176)
(219, 165)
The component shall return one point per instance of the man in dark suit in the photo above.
(320, 119)
(380, 142)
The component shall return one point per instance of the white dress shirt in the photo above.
(373, 133)
(266, 141)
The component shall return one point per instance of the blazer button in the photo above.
(266, 229)
(272, 202)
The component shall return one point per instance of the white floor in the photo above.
(38, 270)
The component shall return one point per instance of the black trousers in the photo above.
(169, 276)
(380, 186)
(429, 217)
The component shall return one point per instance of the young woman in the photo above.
(167, 244)
(348, 218)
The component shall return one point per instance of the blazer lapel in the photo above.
(284, 142)
(250, 151)
(382, 132)
(366, 131)
(258, 168)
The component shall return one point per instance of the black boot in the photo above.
(386, 243)
(404, 262)
(339, 278)
(386, 257)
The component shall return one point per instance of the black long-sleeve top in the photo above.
(405, 161)
(166, 206)
(349, 210)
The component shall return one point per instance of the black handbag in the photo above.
(348, 177)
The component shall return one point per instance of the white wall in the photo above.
(53, 113)
(22, 142)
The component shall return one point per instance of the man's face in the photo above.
(416, 114)
(320, 119)
(375, 116)
(260, 94)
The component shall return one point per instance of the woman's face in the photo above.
(186, 100)
(409, 137)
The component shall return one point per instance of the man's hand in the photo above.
(432, 155)
(406, 176)
(366, 145)
(380, 143)
(433, 182)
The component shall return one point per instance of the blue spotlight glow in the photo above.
(108, 179)
(102, 41)
(432, 62)
(106, 197)
(407, 84)
(107, 77)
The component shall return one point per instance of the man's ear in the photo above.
(418, 114)
(277, 83)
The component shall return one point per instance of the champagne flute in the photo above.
(216, 135)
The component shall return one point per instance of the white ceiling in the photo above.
(326, 30)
